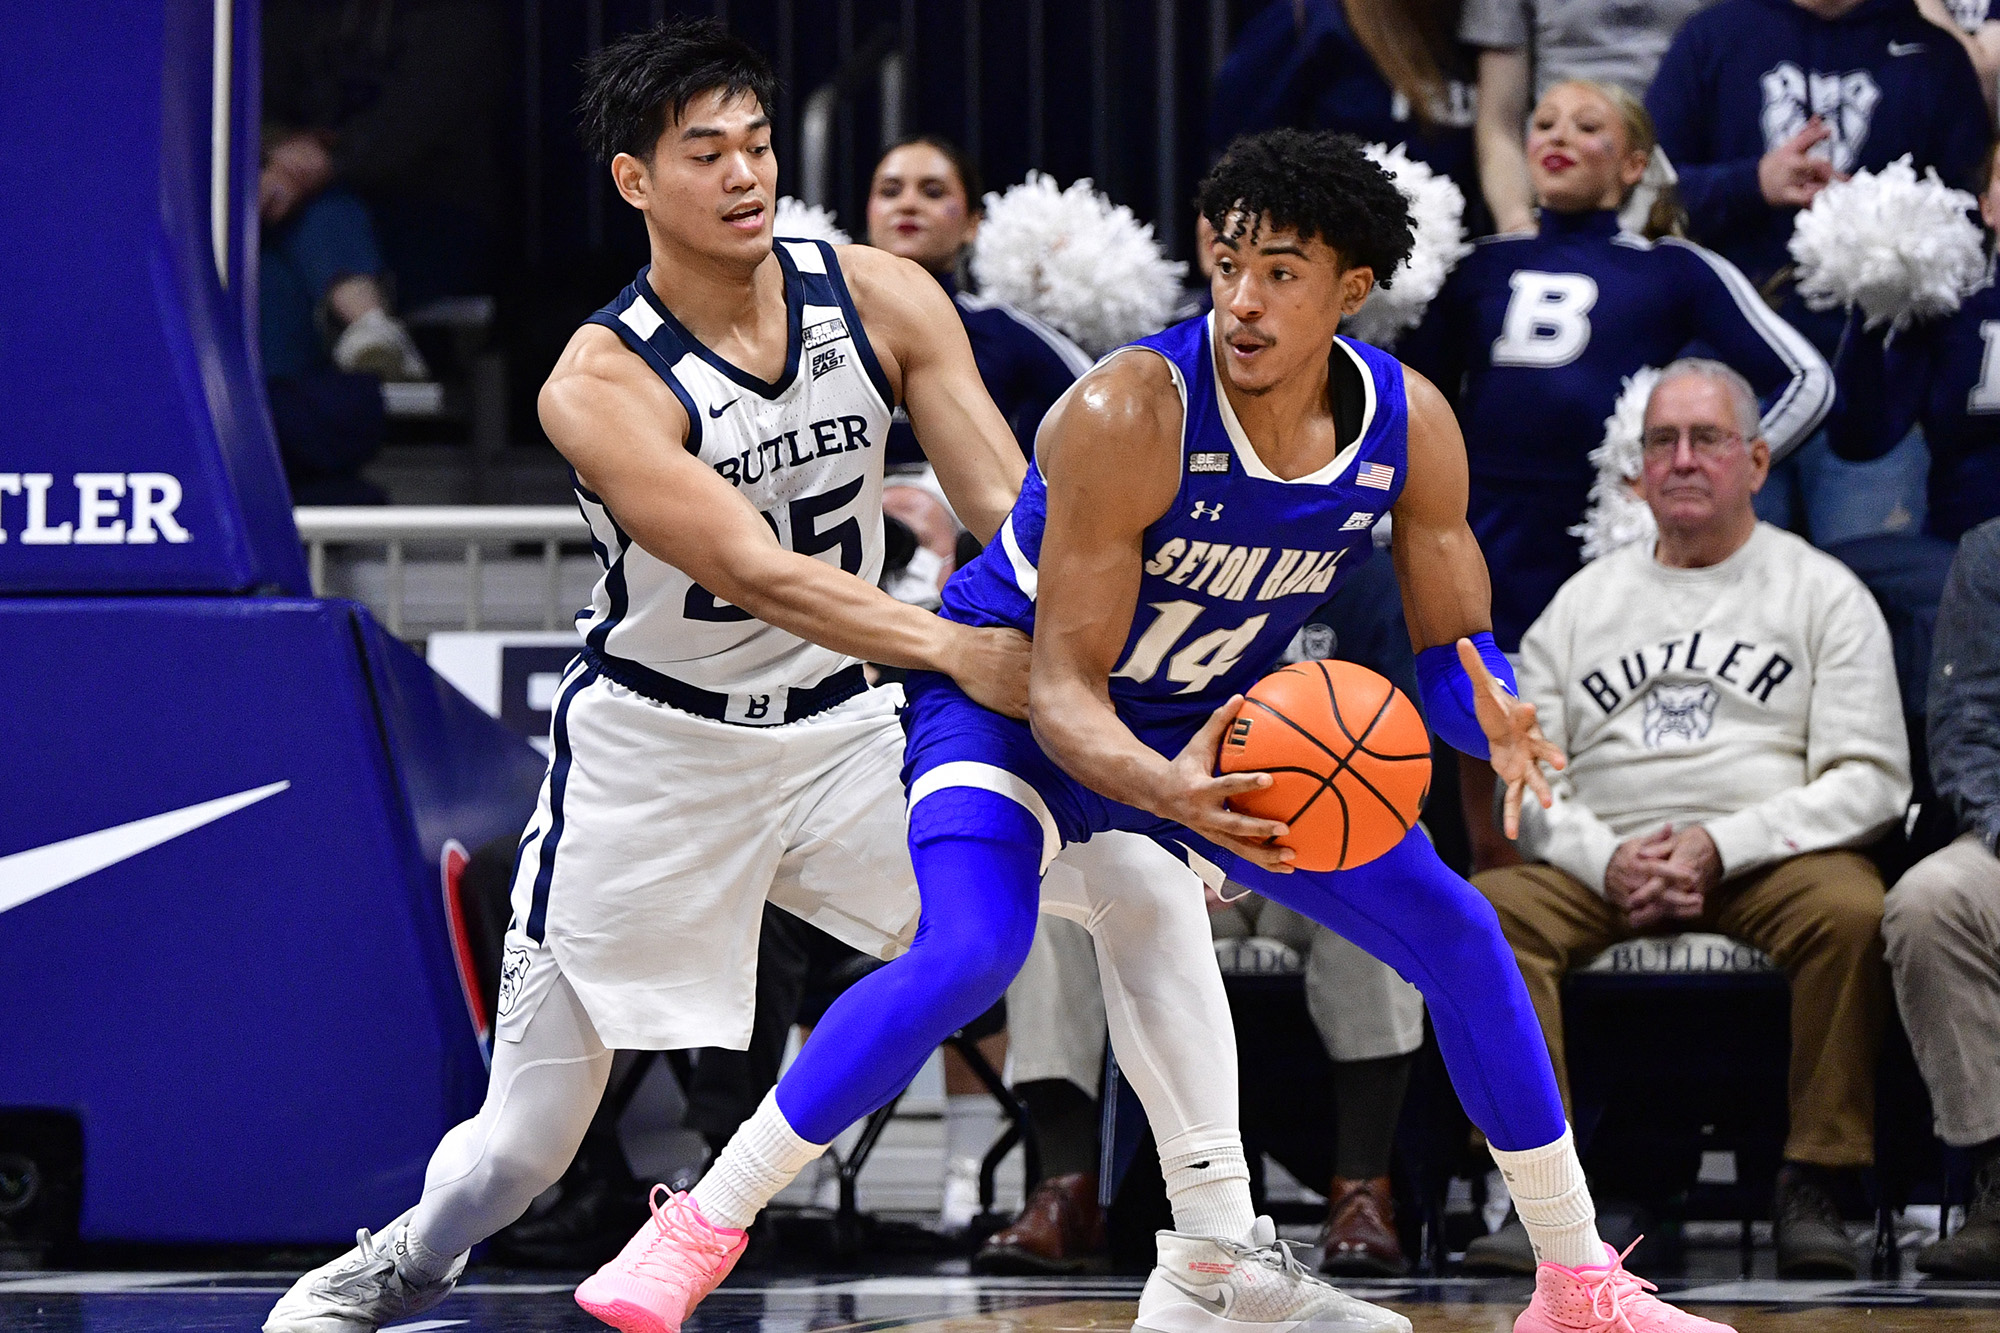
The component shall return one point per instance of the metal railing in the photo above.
(474, 527)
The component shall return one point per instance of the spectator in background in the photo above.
(1760, 103)
(1942, 924)
(397, 102)
(1940, 375)
(1536, 44)
(1728, 704)
(378, 180)
(1384, 71)
(1532, 339)
(1976, 24)
(924, 204)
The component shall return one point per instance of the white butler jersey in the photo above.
(804, 450)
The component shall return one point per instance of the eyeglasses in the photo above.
(1706, 441)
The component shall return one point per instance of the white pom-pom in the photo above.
(1437, 216)
(1900, 247)
(1617, 516)
(1075, 260)
(798, 220)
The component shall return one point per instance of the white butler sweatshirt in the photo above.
(1756, 697)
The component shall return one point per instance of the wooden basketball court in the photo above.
(107, 1302)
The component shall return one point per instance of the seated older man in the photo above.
(1727, 700)
(1942, 927)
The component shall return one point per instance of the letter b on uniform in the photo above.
(1548, 320)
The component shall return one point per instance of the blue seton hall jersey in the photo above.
(1238, 562)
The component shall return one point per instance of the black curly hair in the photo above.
(638, 84)
(1317, 184)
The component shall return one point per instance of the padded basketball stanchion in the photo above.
(223, 873)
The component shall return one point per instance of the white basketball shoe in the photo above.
(1204, 1284)
(362, 1289)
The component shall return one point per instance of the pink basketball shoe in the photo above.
(1603, 1299)
(664, 1271)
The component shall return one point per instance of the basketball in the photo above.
(1348, 755)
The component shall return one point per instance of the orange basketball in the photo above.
(1348, 755)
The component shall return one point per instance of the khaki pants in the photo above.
(1942, 928)
(1819, 916)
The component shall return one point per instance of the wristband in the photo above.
(1447, 692)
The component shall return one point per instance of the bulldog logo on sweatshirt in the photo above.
(1680, 713)
(1845, 101)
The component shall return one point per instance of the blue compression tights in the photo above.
(1409, 910)
(978, 858)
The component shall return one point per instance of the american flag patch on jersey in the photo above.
(1379, 476)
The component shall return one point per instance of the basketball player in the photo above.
(714, 743)
(1191, 502)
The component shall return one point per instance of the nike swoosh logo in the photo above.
(1905, 48)
(28, 875)
(715, 412)
(1210, 1300)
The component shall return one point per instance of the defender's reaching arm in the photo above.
(1448, 604)
(1110, 452)
(623, 430)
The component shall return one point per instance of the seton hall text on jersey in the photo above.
(1230, 572)
(821, 439)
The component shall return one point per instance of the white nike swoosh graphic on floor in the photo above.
(39, 870)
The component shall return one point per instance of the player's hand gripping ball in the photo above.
(1349, 759)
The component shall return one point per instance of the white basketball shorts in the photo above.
(658, 837)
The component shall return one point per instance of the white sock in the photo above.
(1209, 1189)
(1554, 1202)
(971, 1124)
(760, 1159)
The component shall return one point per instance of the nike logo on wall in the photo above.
(1905, 48)
(715, 412)
(28, 875)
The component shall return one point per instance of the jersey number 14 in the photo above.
(1200, 660)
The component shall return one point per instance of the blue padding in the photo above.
(1447, 691)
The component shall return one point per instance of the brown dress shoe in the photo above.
(1060, 1230)
(1361, 1231)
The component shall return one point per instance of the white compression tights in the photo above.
(541, 1096)
(1168, 1015)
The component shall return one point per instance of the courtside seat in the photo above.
(1677, 1049)
(1258, 956)
(1694, 953)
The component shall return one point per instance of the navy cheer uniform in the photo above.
(1232, 570)
(1945, 376)
(1025, 365)
(1532, 339)
(1745, 75)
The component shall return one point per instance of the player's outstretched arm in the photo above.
(912, 323)
(1110, 452)
(1448, 604)
(625, 433)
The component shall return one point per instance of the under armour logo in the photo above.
(1211, 512)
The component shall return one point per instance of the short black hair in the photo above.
(640, 83)
(1318, 184)
(968, 170)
